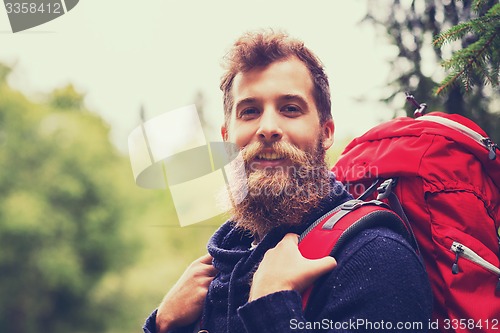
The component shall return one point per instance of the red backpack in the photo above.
(328, 234)
(439, 172)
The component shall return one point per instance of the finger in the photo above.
(208, 268)
(206, 259)
(323, 265)
(291, 237)
(212, 271)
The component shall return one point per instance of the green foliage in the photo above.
(83, 248)
(4, 72)
(61, 215)
(66, 98)
(479, 62)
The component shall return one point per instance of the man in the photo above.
(277, 111)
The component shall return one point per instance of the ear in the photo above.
(328, 129)
(223, 132)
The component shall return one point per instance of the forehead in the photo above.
(286, 77)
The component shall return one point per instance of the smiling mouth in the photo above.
(270, 156)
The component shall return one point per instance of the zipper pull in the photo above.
(458, 249)
(421, 107)
(454, 267)
(492, 147)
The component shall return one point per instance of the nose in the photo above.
(269, 127)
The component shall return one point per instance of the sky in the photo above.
(159, 53)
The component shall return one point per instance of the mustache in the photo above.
(285, 149)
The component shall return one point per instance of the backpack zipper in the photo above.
(484, 141)
(318, 221)
(461, 250)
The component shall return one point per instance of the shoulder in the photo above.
(381, 263)
(380, 242)
(380, 252)
(378, 275)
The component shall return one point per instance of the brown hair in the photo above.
(259, 49)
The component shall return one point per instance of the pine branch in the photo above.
(480, 58)
(452, 34)
(478, 26)
(477, 5)
(473, 60)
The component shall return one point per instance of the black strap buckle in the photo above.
(351, 205)
(385, 189)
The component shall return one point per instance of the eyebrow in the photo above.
(245, 101)
(289, 97)
(286, 97)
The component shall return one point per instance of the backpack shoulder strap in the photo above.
(329, 234)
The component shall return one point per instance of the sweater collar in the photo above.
(230, 244)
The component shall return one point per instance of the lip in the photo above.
(258, 163)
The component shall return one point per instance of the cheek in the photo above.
(306, 138)
(307, 143)
(241, 135)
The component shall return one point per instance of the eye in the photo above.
(249, 113)
(291, 110)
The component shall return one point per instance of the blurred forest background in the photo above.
(85, 250)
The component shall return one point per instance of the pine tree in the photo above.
(479, 62)
(469, 29)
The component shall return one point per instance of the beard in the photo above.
(281, 195)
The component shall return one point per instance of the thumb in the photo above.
(322, 266)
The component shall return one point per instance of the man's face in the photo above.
(276, 123)
(274, 104)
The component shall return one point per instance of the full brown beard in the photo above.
(281, 196)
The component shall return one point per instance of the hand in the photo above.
(183, 304)
(284, 268)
